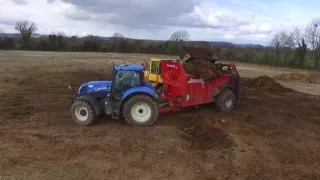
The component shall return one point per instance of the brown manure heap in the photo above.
(201, 63)
(201, 68)
(266, 83)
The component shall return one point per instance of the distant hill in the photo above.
(210, 42)
(14, 35)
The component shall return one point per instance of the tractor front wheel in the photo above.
(225, 100)
(140, 110)
(82, 112)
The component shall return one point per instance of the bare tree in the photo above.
(61, 33)
(118, 35)
(312, 33)
(285, 41)
(301, 47)
(297, 36)
(116, 41)
(26, 29)
(275, 42)
(180, 36)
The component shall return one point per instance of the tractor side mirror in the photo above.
(143, 65)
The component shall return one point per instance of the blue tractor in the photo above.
(128, 95)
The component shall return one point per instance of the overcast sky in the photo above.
(239, 21)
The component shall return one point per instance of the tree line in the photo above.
(299, 48)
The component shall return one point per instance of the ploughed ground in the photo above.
(272, 134)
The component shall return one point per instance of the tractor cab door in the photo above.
(123, 81)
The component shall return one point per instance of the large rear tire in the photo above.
(82, 112)
(225, 100)
(140, 110)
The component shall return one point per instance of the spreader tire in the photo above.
(225, 100)
(140, 110)
(82, 112)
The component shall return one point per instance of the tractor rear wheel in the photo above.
(82, 112)
(225, 100)
(140, 110)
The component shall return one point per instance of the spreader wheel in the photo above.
(82, 112)
(225, 100)
(140, 110)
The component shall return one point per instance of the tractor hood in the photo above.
(199, 53)
(94, 87)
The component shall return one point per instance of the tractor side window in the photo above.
(154, 67)
(125, 80)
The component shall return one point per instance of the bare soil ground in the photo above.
(272, 134)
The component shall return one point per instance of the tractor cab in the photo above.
(126, 77)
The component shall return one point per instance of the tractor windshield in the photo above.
(125, 80)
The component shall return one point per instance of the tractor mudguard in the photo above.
(233, 85)
(142, 89)
(149, 85)
(93, 102)
(220, 89)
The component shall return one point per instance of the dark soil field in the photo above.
(272, 134)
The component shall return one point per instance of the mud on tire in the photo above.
(82, 112)
(140, 110)
(225, 100)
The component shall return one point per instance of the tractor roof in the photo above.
(131, 67)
